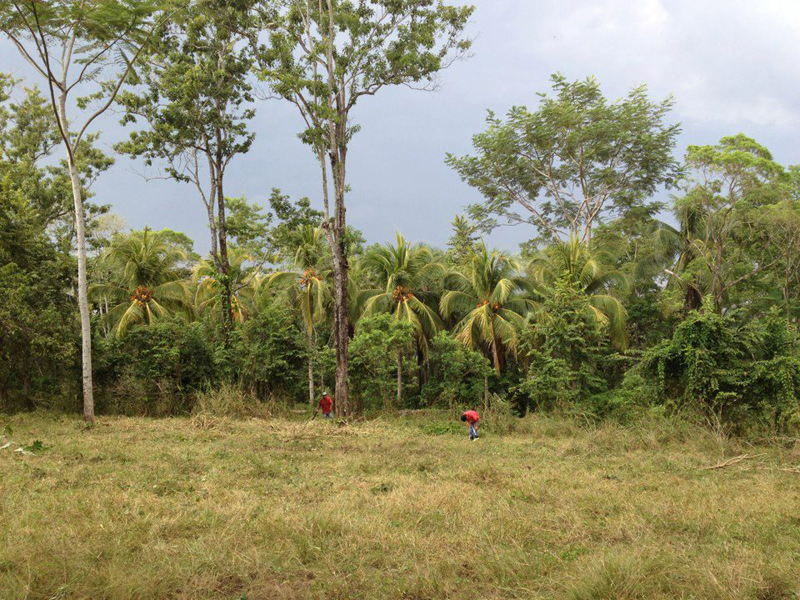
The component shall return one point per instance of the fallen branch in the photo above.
(788, 470)
(731, 461)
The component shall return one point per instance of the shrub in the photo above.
(456, 373)
(565, 352)
(733, 376)
(154, 370)
(268, 354)
(373, 359)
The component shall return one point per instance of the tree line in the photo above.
(619, 302)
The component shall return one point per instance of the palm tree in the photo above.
(145, 283)
(492, 299)
(587, 270)
(405, 274)
(677, 250)
(210, 290)
(308, 287)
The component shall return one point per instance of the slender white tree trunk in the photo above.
(83, 285)
(83, 295)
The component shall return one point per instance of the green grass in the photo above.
(394, 508)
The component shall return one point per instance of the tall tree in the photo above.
(326, 55)
(572, 162)
(721, 242)
(194, 100)
(77, 46)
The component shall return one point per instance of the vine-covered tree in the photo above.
(721, 215)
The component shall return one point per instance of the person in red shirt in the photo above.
(473, 419)
(326, 406)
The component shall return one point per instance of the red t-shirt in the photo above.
(472, 417)
(326, 404)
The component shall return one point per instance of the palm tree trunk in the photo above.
(399, 378)
(496, 356)
(311, 394)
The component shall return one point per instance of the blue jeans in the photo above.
(328, 415)
(473, 433)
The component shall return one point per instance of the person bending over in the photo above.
(472, 418)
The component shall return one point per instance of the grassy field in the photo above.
(402, 508)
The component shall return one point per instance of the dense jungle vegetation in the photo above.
(652, 283)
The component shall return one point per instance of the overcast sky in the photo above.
(732, 66)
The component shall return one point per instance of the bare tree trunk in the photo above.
(83, 284)
(399, 379)
(311, 393)
(83, 295)
(212, 226)
(341, 327)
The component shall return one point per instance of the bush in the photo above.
(566, 354)
(732, 376)
(268, 355)
(456, 373)
(373, 359)
(154, 370)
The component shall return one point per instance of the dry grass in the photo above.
(398, 508)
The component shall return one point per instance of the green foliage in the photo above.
(463, 242)
(407, 274)
(373, 359)
(248, 225)
(268, 354)
(144, 281)
(734, 376)
(490, 299)
(38, 330)
(585, 269)
(155, 370)
(455, 374)
(193, 94)
(291, 217)
(724, 240)
(570, 163)
(565, 351)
